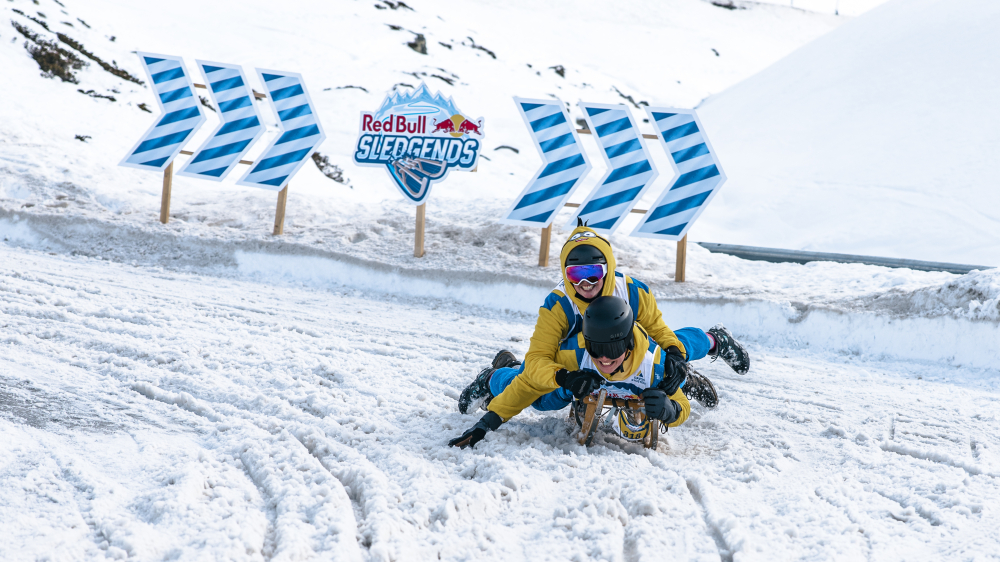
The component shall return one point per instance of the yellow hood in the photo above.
(585, 235)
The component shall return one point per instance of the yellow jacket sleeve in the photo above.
(651, 319)
(685, 408)
(540, 363)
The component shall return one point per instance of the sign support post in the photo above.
(418, 233)
(279, 213)
(682, 250)
(543, 251)
(417, 137)
(168, 184)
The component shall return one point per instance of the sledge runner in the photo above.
(588, 269)
(616, 357)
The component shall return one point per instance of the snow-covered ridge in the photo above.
(892, 317)
(876, 139)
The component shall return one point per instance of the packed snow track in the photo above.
(150, 415)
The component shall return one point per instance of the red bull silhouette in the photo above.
(445, 126)
(468, 126)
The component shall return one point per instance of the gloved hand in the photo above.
(674, 371)
(490, 422)
(659, 406)
(581, 383)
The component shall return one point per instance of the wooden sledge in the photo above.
(596, 407)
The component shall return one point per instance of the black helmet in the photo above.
(585, 254)
(607, 327)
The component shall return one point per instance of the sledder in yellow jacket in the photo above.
(588, 269)
(560, 317)
(614, 354)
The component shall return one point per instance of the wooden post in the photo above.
(418, 234)
(168, 184)
(543, 250)
(279, 214)
(682, 249)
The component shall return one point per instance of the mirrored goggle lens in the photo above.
(591, 273)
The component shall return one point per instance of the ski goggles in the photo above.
(591, 273)
(608, 350)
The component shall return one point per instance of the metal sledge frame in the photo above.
(598, 406)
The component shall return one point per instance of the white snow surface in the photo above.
(151, 414)
(204, 390)
(878, 138)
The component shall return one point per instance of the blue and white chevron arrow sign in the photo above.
(301, 131)
(630, 169)
(181, 118)
(698, 174)
(565, 163)
(240, 127)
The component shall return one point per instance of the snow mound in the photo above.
(870, 140)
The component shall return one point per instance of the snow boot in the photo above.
(504, 359)
(477, 395)
(700, 389)
(731, 351)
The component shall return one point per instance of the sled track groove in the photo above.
(725, 553)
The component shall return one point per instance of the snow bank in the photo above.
(850, 309)
(320, 272)
(936, 339)
(875, 139)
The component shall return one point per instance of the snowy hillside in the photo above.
(876, 139)
(205, 390)
(149, 414)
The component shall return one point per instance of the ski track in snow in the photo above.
(151, 414)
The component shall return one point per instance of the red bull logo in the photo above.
(418, 137)
(446, 126)
(468, 126)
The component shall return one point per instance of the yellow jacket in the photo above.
(642, 369)
(560, 318)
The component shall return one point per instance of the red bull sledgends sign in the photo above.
(418, 137)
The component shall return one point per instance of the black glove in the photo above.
(490, 422)
(674, 371)
(581, 383)
(659, 406)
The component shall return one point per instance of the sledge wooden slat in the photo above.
(168, 184)
(595, 409)
(543, 250)
(279, 214)
(681, 259)
(418, 233)
(653, 438)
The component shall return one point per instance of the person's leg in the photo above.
(729, 349)
(479, 392)
(696, 342)
(502, 378)
(696, 386)
(555, 400)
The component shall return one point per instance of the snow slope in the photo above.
(154, 414)
(204, 390)
(878, 138)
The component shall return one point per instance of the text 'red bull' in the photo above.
(395, 124)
